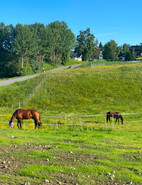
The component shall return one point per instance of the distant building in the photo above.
(122, 58)
(137, 49)
(101, 55)
(98, 55)
(74, 56)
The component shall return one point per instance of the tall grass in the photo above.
(81, 91)
(11, 95)
(92, 90)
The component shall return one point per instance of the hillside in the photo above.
(92, 90)
(81, 91)
(87, 150)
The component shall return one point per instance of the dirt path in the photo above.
(11, 81)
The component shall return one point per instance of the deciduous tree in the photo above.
(60, 40)
(25, 43)
(111, 51)
(85, 45)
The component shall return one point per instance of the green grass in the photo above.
(81, 91)
(90, 152)
(74, 156)
(11, 95)
(92, 90)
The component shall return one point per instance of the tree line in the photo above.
(90, 48)
(25, 48)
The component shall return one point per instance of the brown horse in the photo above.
(116, 115)
(21, 114)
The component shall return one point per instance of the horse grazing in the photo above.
(116, 115)
(21, 114)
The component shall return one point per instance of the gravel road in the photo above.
(13, 80)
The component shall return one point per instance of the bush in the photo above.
(27, 69)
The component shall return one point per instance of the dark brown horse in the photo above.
(21, 114)
(115, 115)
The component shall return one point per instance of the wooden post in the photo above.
(56, 124)
(65, 122)
(105, 123)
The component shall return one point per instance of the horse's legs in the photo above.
(39, 124)
(20, 125)
(35, 123)
(108, 118)
(19, 122)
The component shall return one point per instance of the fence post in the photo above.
(105, 123)
(56, 124)
(81, 124)
(65, 122)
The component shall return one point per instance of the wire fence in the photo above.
(72, 120)
(82, 121)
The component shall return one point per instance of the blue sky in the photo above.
(120, 20)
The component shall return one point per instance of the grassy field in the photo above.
(70, 156)
(87, 152)
(79, 92)
(92, 90)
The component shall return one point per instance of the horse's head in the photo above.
(122, 120)
(11, 124)
(39, 125)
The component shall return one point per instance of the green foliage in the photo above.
(32, 45)
(60, 40)
(129, 56)
(12, 68)
(125, 48)
(85, 45)
(101, 46)
(27, 69)
(111, 51)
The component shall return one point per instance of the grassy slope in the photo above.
(89, 91)
(92, 90)
(76, 155)
(81, 91)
